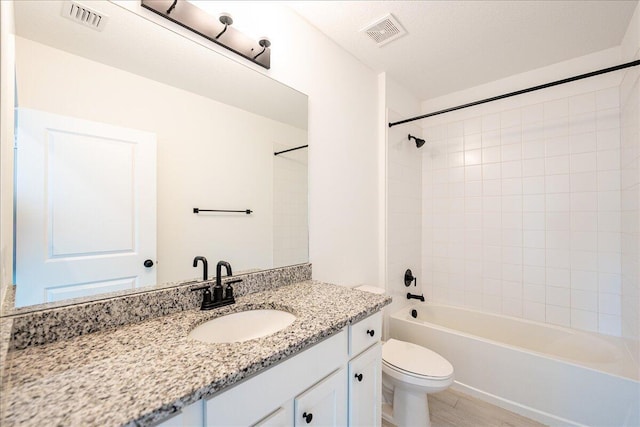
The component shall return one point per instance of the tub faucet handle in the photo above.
(409, 278)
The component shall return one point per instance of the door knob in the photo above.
(148, 263)
(307, 417)
(371, 332)
(359, 377)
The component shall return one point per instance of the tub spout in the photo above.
(412, 296)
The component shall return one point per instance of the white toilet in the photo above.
(409, 373)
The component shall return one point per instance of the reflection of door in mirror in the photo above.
(216, 122)
(85, 207)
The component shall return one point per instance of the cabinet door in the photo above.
(365, 387)
(281, 417)
(324, 404)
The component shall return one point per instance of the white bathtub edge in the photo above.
(525, 411)
(548, 388)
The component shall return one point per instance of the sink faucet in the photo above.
(217, 289)
(227, 267)
(210, 301)
(205, 274)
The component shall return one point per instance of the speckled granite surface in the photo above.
(53, 322)
(140, 373)
(5, 335)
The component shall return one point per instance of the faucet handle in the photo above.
(206, 297)
(228, 292)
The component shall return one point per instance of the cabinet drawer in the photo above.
(365, 333)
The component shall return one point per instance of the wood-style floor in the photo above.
(454, 409)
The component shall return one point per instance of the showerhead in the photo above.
(419, 142)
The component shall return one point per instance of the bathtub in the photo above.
(555, 375)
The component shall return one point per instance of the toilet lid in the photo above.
(415, 359)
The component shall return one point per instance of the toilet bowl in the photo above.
(409, 373)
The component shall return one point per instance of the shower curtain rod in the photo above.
(520, 92)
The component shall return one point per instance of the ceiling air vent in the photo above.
(384, 30)
(84, 15)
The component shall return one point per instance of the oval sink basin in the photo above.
(242, 326)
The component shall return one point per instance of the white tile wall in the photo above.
(522, 210)
(404, 207)
(629, 159)
(290, 207)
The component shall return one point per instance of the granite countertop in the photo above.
(141, 373)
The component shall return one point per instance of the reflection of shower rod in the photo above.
(198, 210)
(290, 149)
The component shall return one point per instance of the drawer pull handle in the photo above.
(371, 332)
(359, 377)
(307, 417)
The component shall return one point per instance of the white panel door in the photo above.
(85, 207)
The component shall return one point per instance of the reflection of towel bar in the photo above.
(196, 210)
(290, 149)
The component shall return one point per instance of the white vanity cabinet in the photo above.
(334, 383)
(365, 372)
(258, 399)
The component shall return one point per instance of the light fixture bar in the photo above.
(210, 27)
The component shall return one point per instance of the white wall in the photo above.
(630, 187)
(210, 155)
(343, 150)
(521, 209)
(404, 195)
(7, 62)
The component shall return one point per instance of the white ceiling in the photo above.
(454, 45)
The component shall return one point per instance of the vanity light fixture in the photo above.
(265, 43)
(200, 22)
(227, 20)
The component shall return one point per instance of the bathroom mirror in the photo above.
(215, 125)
